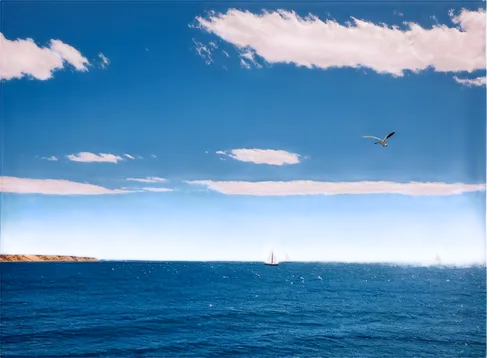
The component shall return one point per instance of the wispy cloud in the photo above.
(262, 156)
(50, 159)
(249, 56)
(104, 60)
(312, 42)
(128, 156)
(148, 180)
(25, 58)
(204, 51)
(158, 190)
(307, 187)
(244, 64)
(52, 187)
(153, 156)
(87, 157)
(478, 81)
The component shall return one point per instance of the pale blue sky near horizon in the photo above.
(158, 99)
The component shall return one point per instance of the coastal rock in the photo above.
(45, 258)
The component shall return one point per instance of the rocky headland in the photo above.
(45, 258)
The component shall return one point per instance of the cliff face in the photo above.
(45, 258)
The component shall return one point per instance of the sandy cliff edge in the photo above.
(45, 258)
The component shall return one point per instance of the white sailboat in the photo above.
(272, 261)
(287, 258)
(438, 259)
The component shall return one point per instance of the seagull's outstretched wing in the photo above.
(389, 135)
(370, 136)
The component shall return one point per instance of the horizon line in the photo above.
(293, 261)
(425, 262)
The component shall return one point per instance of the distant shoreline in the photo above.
(45, 258)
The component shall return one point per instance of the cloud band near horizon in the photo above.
(65, 187)
(263, 188)
(308, 187)
(52, 187)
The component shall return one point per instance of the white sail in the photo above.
(272, 259)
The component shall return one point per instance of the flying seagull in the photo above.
(382, 142)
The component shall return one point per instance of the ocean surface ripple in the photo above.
(223, 309)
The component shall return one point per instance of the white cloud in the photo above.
(478, 81)
(285, 37)
(307, 187)
(50, 159)
(148, 180)
(52, 187)
(25, 58)
(153, 155)
(104, 60)
(70, 54)
(158, 190)
(87, 157)
(262, 156)
(128, 156)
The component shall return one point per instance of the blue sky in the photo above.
(174, 90)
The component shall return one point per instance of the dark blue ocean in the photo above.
(177, 309)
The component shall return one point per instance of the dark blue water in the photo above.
(122, 309)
